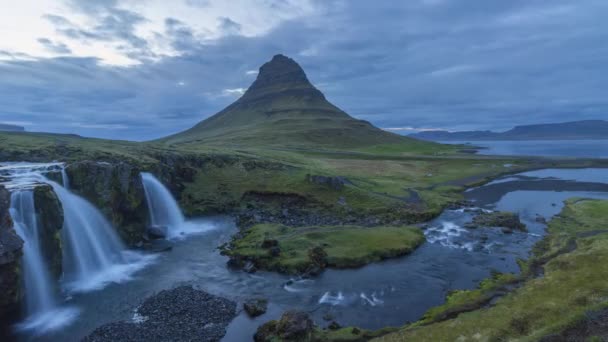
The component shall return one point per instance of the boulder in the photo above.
(11, 249)
(293, 326)
(255, 307)
(157, 232)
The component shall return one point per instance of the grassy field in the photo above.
(570, 292)
(303, 248)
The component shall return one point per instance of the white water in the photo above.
(42, 309)
(93, 255)
(164, 210)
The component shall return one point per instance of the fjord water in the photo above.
(162, 207)
(42, 305)
(546, 148)
(383, 294)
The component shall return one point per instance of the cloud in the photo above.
(55, 47)
(415, 64)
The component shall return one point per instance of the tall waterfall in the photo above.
(40, 292)
(162, 207)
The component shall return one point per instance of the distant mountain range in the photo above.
(282, 108)
(11, 128)
(575, 130)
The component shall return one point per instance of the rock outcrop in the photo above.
(11, 246)
(117, 190)
(507, 221)
(293, 326)
(50, 220)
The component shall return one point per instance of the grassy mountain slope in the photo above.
(282, 108)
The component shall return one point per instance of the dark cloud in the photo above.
(450, 64)
(55, 47)
(229, 26)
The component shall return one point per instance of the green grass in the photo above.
(573, 284)
(345, 246)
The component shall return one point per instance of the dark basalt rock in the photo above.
(116, 189)
(255, 307)
(180, 314)
(507, 221)
(50, 218)
(11, 248)
(293, 326)
(157, 232)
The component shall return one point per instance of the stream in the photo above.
(388, 293)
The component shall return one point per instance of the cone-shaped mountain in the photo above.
(283, 108)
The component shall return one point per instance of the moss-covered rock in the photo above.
(50, 220)
(116, 189)
(11, 246)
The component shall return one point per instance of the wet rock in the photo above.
(50, 219)
(334, 326)
(541, 219)
(11, 249)
(293, 326)
(255, 307)
(509, 221)
(157, 232)
(117, 190)
(181, 314)
(249, 267)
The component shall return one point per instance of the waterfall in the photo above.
(42, 307)
(91, 244)
(162, 207)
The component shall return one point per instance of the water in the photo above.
(389, 293)
(93, 254)
(547, 148)
(162, 207)
(42, 305)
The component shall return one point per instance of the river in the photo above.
(388, 293)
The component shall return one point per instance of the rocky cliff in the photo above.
(50, 220)
(10, 259)
(117, 190)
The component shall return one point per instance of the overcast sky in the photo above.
(141, 69)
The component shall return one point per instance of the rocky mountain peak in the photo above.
(281, 73)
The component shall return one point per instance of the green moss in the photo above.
(574, 283)
(343, 246)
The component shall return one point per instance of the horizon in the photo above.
(145, 69)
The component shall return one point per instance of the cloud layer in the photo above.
(138, 69)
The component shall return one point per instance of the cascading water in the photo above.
(163, 209)
(42, 307)
(91, 244)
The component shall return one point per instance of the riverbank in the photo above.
(561, 289)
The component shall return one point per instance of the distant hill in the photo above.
(575, 130)
(283, 109)
(11, 128)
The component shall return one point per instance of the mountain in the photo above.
(575, 130)
(282, 108)
(11, 128)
